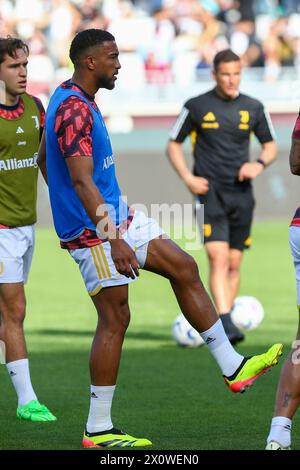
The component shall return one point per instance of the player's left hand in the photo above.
(250, 170)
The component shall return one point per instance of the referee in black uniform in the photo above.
(220, 123)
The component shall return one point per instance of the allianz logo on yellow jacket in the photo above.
(14, 164)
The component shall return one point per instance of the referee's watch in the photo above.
(259, 160)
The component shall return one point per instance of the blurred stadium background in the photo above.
(166, 51)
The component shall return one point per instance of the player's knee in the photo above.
(187, 270)
(234, 270)
(117, 321)
(234, 267)
(124, 318)
(219, 263)
(14, 313)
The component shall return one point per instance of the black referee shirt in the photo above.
(220, 131)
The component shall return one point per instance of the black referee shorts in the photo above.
(228, 214)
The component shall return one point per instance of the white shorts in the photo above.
(16, 250)
(96, 264)
(295, 248)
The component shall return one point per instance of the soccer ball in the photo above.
(184, 334)
(247, 312)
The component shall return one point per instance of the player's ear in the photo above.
(90, 62)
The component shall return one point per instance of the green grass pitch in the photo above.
(175, 397)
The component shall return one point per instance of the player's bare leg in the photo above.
(223, 281)
(287, 399)
(113, 319)
(235, 260)
(219, 262)
(2, 344)
(12, 307)
(166, 258)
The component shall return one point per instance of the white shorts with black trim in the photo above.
(16, 251)
(96, 265)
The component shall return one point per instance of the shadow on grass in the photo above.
(138, 335)
(176, 398)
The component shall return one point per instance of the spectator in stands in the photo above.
(186, 36)
(278, 49)
(158, 51)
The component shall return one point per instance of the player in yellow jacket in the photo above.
(21, 122)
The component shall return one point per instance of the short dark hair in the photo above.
(9, 46)
(227, 55)
(86, 39)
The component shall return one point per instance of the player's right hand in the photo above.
(124, 258)
(197, 184)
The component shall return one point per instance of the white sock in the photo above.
(20, 377)
(280, 431)
(2, 352)
(220, 347)
(99, 418)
